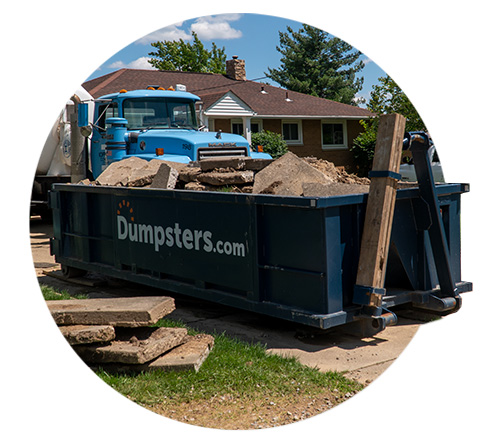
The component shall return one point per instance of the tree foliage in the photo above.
(385, 98)
(315, 63)
(188, 57)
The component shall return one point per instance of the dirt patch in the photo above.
(338, 174)
(230, 413)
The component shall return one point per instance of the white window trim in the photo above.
(298, 142)
(343, 146)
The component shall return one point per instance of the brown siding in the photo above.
(223, 124)
(312, 144)
(354, 128)
(273, 126)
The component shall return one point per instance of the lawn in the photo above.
(240, 385)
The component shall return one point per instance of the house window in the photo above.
(292, 132)
(237, 128)
(256, 126)
(334, 135)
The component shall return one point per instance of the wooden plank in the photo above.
(381, 204)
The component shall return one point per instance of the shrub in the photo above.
(363, 148)
(272, 143)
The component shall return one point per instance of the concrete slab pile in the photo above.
(287, 175)
(117, 334)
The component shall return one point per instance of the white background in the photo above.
(50, 47)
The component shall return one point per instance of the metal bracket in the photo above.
(419, 146)
(370, 298)
(436, 304)
(365, 325)
(384, 174)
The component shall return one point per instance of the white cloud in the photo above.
(216, 26)
(169, 33)
(139, 63)
(207, 28)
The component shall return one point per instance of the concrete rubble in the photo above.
(289, 175)
(87, 334)
(118, 333)
(134, 347)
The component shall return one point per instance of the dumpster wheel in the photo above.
(72, 272)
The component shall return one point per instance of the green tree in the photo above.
(188, 57)
(385, 98)
(315, 63)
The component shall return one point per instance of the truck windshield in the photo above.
(159, 113)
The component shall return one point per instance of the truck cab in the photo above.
(156, 123)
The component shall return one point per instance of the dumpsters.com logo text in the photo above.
(172, 236)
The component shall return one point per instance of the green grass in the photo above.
(50, 294)
(233, 367)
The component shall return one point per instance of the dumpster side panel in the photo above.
(292, 256)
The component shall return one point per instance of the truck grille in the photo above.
(222, 152)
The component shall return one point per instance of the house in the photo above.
(311, 126)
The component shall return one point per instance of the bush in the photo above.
(272, 143)
(364, 147)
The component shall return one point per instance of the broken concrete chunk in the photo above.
(122, 312)
(189, 174)
(195, 185)
(118, 173)
(133, 346)
(334, 189)
(133, 172)
(227, 178)
(87, 334)
(165, 178)
(188, 356)
(286, 176)
(209, 164)
(257, 164)
(86, 182)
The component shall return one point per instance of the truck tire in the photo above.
(72, 272)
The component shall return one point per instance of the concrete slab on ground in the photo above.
(119, 312)
(186, 357)
(87, 334)
(133, 346)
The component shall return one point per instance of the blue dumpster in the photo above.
(294, 258)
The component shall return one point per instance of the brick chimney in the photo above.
(236, 69)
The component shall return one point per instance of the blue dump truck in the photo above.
(148, 123)
(156, 123)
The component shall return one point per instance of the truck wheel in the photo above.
(72, 272)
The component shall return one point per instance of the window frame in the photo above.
(256, 121)
(299, 141)
(238, 121)
(343, 146)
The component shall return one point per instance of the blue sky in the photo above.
(252, 37)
